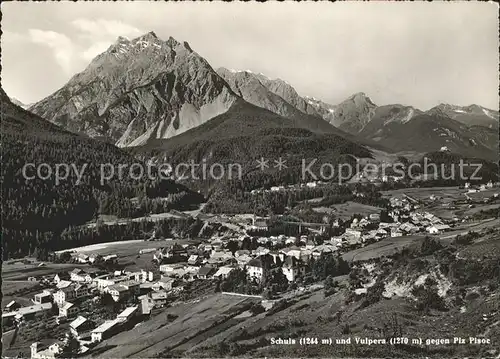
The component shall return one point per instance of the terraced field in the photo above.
(195, 322)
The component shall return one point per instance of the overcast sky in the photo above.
(419, 54)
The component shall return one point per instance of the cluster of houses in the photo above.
(80, 257)
(85, 331)
(177, 264)
(68, 299)
(407, 219)
(478, 188)
(215, 261)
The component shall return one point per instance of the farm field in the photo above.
(479, 208)
(489, 248)
(21, 291)
(346, 210)
(459, 211)
(21, 271)
(192, 323)
(214, 323)
(128, 251)
(474, 227)
(484, 194)
(382, 248)
(447, 193)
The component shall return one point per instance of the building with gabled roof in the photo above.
(61, 276)
(67, 310)
(50, 352)
(105, 330)
(258, 267)
(31, 312)
(223, 272)
(205, 272)
(11, 306)
(127, 314)
(80, 327)
(165, 283)
(293, 268)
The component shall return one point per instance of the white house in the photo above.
(71, 292)
(353, 233)
(172, 269)
(323, 250)
(257, 268)
(79, 275)
(61, 276)
(79, 326)
(67, 310)
(109, 258)
(118, 291)
(165, 283)
(194, 259)
(127, 314)
(44, 297)
(49, 353)
(293, 268)
(81, 258)
(437, 228)
(223, 272)
(64, 294)
(105, 330)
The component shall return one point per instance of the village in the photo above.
(74, 300)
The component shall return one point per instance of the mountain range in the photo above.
(142, 91)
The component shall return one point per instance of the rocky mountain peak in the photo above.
(149, 36)
(122, 40)
(360, 97)
(171, 42)
(139, 90)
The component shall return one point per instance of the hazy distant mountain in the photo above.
(472, 115)
(404, 128)
(470, 131)
(138, 90)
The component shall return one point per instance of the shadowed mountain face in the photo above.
(353, 114)
(274, 95)
(245, 134)
(240, 132)
(138, 90)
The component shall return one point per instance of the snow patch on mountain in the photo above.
(490, 114)
(408, 116)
